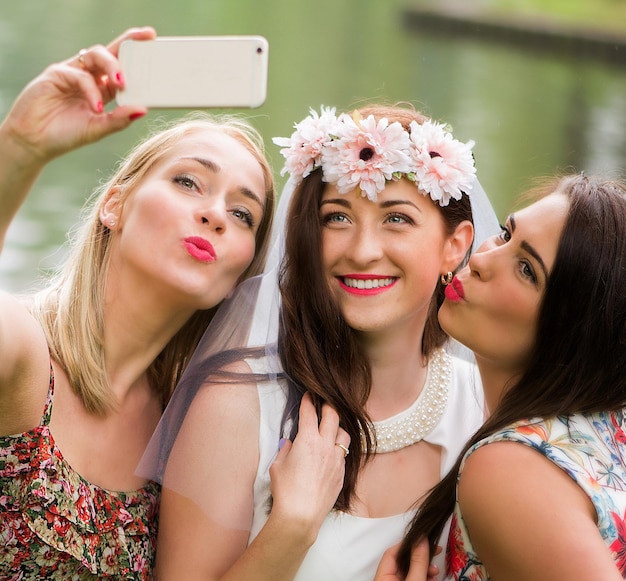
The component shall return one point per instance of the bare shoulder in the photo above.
(232, 396)
(516, 502)
(510, 476)
(20, 334)
(24, 366)
(211, 468)
(225, 412)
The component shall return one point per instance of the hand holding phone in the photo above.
(195, 72)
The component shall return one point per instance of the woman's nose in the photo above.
(214, 216)
(481, 262)
(365, 246)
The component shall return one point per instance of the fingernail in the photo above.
(134, 116)
(100, 106)
(281, 443)
(120, 78)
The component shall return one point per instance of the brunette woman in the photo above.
(379, 214)
(539, 492)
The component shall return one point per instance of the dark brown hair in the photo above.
(318, 350)
(578, 363)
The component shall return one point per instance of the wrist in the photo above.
(17, 151)
(298, 530)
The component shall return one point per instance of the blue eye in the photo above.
(397, 218)
(334, 217)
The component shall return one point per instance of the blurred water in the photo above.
(529, 113)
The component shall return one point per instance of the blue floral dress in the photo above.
(56, 525)
(591, 449)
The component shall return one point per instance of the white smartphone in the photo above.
(194, 72)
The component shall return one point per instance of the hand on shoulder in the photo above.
(307, 475)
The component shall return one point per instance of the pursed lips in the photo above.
(200, 249)
(454, 291)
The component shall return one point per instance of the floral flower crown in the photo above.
(364, 153)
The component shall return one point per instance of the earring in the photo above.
(446, 278)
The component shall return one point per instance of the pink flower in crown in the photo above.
(303, 150)
(444, 167)
(366, 154)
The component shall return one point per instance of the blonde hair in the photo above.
(70, 309)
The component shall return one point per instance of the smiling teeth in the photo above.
(367, 283)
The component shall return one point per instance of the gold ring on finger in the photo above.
(81, 58)
(346, 451)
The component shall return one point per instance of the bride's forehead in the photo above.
(394, 191)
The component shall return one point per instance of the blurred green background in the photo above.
(531, 112)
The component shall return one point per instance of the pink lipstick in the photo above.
(454, 291)
(366, 284)
(200, 249)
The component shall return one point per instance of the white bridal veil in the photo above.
(248, 319)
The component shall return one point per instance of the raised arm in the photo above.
(58, 111)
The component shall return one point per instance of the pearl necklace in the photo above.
(411, 425)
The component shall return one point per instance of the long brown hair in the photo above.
(318, 350)
(578, 363)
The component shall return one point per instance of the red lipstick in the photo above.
(200, 249)
(366, 284)
(454, 291)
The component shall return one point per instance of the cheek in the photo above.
(422, 264)
(424, 246)
(517, 312)
(502, 328)
(149, 216)
(242, 255)
(522, 330)
(332, 248)
(511, 331)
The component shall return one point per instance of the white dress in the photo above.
(349, 548)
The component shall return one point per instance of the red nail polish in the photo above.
(100, 106)
(134, 116)
(120, 78)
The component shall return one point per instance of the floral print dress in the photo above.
(591, 449)
(56, 525)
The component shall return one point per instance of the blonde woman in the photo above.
(87, 365)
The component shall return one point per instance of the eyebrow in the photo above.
(339, 201)
(215, 168)
(391, 203)
(207, 163)
(529, 248)
(387, 204)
